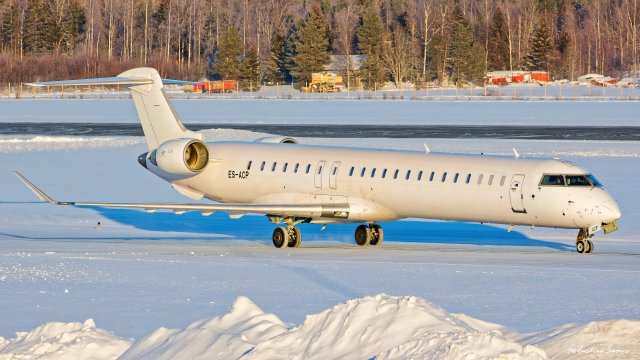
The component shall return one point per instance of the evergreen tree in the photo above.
(10, 25)
(539, 48)
(370, 41)
(466, 61)
(73, 25)
(275, 65)
(228, 56)
(498, 56)
(250, 71)
(41, 32)
(311, 48)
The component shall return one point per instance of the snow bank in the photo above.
(47, 143)
(390, 327)
(225, 337)
(375, 327)
(64, 341)
(613, 339)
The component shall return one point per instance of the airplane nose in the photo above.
(142, 160)
(609, 212)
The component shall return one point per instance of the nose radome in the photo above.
(610, 212)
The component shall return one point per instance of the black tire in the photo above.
(589, 248)
(580, 246)
(296, 239)
(280, 237)
(363, 235)
(378, 238)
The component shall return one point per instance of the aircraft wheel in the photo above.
(589, 247)
(363, 235)
(295, 237)
(580, 246)
(280, 237)
(377, 235)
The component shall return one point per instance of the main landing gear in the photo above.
(287, 236)
(583, 244)
(369, 235)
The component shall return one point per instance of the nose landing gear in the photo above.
(583, 244)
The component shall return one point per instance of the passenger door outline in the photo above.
(515, 194)
(318, 173)
(333, 175)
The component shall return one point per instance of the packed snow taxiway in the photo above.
(136, 272)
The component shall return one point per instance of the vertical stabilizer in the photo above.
(159, 120)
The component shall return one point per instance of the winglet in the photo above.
(39, 193)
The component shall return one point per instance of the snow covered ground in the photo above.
(164, 284)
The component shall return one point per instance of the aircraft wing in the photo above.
(118, 80)
(234, 210)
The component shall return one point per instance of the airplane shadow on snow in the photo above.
(260, 229)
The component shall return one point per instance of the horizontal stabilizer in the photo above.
(118, 80)
(39, 193)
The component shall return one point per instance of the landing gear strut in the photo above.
(289, 236)
(369, 235)
(583, 244)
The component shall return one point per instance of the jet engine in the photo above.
(181, 156)
(277, 139)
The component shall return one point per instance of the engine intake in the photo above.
(181, 156)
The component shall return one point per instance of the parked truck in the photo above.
(324, 82)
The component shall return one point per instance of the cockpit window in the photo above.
(577, 180)
(595, 181)
(553, 180)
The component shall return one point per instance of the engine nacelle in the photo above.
(181, 156)
(277, 139)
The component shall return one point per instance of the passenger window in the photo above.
(444, 177)
(408, 175)
(273, 167)
(420, 175)
(502, 180)
(284, 168)
(455, 178)
(373, 172)
(468, 178)
(480, 179)
(395, 175)
(262, 165)
(308, 168)
(249, 165)
(433, 174)
(335, 170)
(351, 171)
(319, 170)
(384, 173)
(363, 171)
(552, 180)
(295, 169)
(577, 180)
(490, 180)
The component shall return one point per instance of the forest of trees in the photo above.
(449, 42)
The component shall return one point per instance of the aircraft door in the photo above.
(333, 175)
(318, 174)
(515, 194)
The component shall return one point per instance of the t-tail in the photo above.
(159, 120)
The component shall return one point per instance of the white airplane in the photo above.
(292, 183)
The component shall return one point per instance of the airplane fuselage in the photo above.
(382, 185)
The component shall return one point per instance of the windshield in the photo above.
(595, 181)
(554, 180)
(577, 180)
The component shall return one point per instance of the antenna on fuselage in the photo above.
(426, 148)
(515, 153)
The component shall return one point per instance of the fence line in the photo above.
(521, 92)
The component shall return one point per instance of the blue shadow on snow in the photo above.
(259, 228)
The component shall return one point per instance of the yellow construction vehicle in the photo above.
(324, 82)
